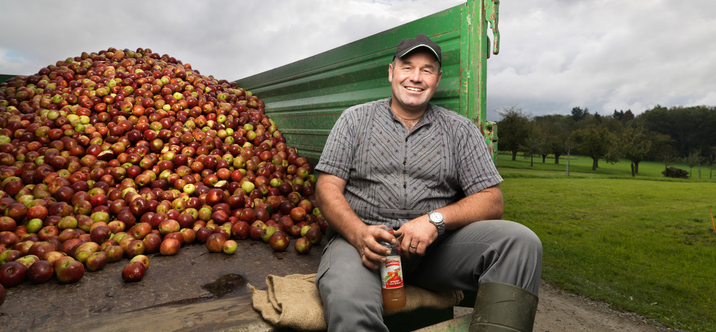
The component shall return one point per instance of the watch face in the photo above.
(436, 216)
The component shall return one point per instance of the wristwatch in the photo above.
(437, 219)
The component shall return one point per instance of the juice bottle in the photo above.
(391, 277)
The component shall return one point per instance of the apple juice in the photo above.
(391, 277)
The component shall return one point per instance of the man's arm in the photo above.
(342, 219)
(483, 205)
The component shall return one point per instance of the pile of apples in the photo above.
(120, 154)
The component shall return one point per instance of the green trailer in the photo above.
(305, 98)
(4, 77)
(198, 292)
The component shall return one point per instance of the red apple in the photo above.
(297, 214)
(152, 242)
(169, 226)
(40, 272)
(302, 245)
(255, 232)
(136, 247)
(279, 241)
(188, 234)
(8, 239)
(295, 231)
(114, 253)
(97, 261)
(12, 273)
(53, 256)
(133, 272)
(7, 224)
(69, 271)
(39, 249)
(27, 260)
(215, 242)
(142, 259)
(100, 234)
(170, 247)
(203, 233)
(240, 230)
(139, 231)
(84, 250)
(314, 235)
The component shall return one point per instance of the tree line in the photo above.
(667, 135)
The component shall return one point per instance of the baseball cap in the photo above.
(421, 40)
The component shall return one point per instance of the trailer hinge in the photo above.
(492, 11)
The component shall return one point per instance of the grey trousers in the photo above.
(485, 251)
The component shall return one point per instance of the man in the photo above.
(424, 170)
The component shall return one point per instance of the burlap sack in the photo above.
(294, 301)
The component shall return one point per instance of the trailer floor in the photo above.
(192, 291)
(201, 291)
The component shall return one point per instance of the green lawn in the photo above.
(581, 167)
(644, 246)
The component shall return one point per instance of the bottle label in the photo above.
(391, 274)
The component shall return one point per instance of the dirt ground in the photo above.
(562, 311)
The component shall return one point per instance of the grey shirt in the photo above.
(394, 175)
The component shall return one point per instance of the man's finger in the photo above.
(397, 233)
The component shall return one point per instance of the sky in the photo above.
(604, 55)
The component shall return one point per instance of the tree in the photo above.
(637, 143)
(712, 164)
(667, 156)
(693, 159)
(556, 131)
(634, 146)
(690, 128)
(595, 142)
(513, 129)
(578, 113)
(618, 115)
(534, 144)
(628, 116)
(712, 161)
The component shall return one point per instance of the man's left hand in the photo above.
(416, 235)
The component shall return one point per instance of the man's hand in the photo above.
(342, 219)
(371, 252)
(416, 235)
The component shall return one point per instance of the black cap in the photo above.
(421, 40)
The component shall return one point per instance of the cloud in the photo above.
(602, 55)
(554, 54)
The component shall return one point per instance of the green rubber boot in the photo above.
(503, 307)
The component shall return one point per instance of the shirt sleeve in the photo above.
(476, 170)
(337, 155)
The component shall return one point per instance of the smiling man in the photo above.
(426, 172)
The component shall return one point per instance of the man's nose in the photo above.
(415, 75)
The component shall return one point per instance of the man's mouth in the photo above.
(414, 89)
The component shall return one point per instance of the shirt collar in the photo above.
(428, 116)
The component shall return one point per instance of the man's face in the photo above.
(414, 79)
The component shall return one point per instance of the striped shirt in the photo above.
(393, 175)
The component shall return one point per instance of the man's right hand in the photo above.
(342, 219)
(371, 252)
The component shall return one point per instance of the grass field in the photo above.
(643, 244)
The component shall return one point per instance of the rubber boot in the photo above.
(503, 307)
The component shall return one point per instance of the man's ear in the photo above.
(390, 73)
(440, 74)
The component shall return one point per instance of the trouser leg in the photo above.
(351, 292)
(485, 251)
